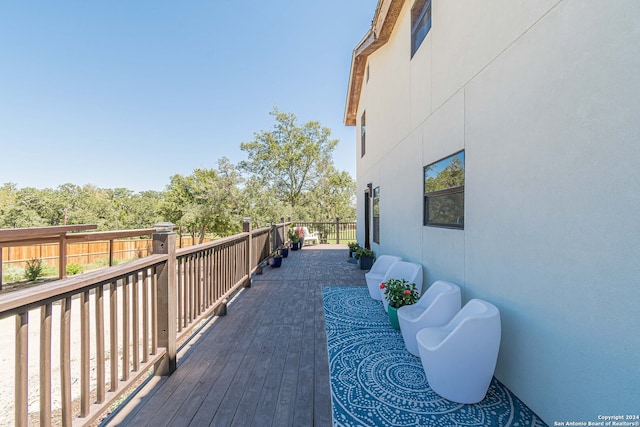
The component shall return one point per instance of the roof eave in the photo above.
(384, 19)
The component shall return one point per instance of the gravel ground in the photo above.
(7, 358)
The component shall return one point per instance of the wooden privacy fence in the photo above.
(137, 312)
(84, 253)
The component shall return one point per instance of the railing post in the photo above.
(246, 227)
(281, 236)
(111, 253)
(164, 242)
(62, 256)
(338, 230)
(274, 234)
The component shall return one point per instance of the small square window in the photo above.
(444, 192)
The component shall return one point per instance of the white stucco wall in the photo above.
(545, 99)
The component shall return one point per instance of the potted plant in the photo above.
(365, 257)
(353, 248)
(275, 260)
(292, 234)
(284, 251)
(397, 293)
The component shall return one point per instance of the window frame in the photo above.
(375, 214)
(443, 192)
(363, 133)
(419, 11)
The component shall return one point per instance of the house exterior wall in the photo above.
(544, 98)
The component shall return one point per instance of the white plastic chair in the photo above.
(459, 359)
(409, 271)
(376, 274)
(309, 237)
(436, 307)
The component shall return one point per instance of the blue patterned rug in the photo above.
(375, 381)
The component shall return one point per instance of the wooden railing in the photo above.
(332, 231)
(113, 326)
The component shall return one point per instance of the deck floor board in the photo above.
(265, 362)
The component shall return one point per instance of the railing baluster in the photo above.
(154, 311)
(125, 328)
(187, 289)
(113, 334)
(196, 286)
(181, 321)
(204, 275)
(205, 279)
(45, 365)
(99, 319)
(210, 276)
(65, 361)
(21, 373)
(145, 316)
(84, 354)
(135, 307)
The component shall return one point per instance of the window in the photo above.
(444, 192)
(363, 132)
(376, 214)
(367, 73)
(420, 23)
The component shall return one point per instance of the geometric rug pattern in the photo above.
(375, 381)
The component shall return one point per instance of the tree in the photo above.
(334, 196)
(207, 201)
(290, 160)
(451, 176)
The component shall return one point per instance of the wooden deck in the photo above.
(264, 363)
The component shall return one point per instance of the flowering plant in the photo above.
(399, 292)
(292, 234)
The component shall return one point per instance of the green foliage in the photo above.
(289, 173)
(34, 269)
(207, 201)
(73, 269)
(290, 160)
(12, 273)
(451, 176)
(109, 209)
(360, 252)
(292, 234)
(354, 246)
(399, 292)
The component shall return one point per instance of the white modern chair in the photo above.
(436, 307)
(409, 271)
(310, 237)
(459, 359)
(376, 274)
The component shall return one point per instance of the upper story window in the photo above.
(420, 23)
(363, 133)
(444, 192)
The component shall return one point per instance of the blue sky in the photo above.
(129, 93)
